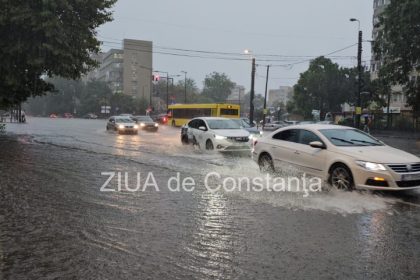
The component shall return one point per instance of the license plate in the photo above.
(410, 177)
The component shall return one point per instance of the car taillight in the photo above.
(164, 119)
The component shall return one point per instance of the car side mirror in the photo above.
(112, 121)
(317, 144)
(203, 128)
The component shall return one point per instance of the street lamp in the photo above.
(359, 71)
(185, 86)
(252, 94)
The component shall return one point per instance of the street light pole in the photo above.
(252, 94)
(185, 87)
(265, 95)
(359, 75)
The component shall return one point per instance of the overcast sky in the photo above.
(291, 30)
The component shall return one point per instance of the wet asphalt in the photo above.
(56, 223)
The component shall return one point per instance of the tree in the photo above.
(398, 47)
(325, 87)
(94, 95)
(46, 38)
(217, 86)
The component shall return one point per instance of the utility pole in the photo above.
(252, 94)
(167, 90)
(265, 95)
(359, 80)
(185, 86)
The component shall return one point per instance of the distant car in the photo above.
(68, 115)
(220, 134)
(345, 157)
(274, 125)
(122, 125)
(146, 123)
(91, 116)
(253, 130)
(306, 122)
(292, 122)
(53, 116)
(162, 118)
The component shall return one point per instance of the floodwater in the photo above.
(56, 223)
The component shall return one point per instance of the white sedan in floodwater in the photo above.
(220, 134)
(345, 157)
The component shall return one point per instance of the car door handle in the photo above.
(297, 153)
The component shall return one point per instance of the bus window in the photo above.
(229, 112)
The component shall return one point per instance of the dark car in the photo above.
(122, 125)
(162, 118)
(146, 123)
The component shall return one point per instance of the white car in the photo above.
(345, 157)
(219, 134)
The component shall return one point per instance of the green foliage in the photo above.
(325, 87)
(46, 37)
(2, 127)
(217, 87)
(398, 47)
(71, 96)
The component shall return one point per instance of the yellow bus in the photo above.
(180, 114)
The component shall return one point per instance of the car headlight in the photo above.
(250, 137)
(136, 126)
(261, 133)
(142, 124)
(371, 165)
(121, 126)
(156, 125)
(219, 137)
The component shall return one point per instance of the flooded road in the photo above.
(56, 223)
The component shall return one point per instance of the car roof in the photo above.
(317, 126)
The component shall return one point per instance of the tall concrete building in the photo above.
(284, 94)
(127, 70)
(137, 68)
(398, 100)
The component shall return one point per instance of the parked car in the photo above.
(122, 125)
(345, 157)
(274, 125)
(212, 133)
(91, 116)
(146, 123)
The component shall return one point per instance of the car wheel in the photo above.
(209, 145)
(184, 140)
(266, 163)
(341, 178)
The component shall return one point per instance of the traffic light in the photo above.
(155, 78)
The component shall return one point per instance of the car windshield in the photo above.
(349, 137)
(123, 120)
(223, 124)
(241, 123)
(144, 118)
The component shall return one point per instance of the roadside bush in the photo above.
(2, 127)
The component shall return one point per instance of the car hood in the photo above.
(252, 130)
(147, 123)
(231, 132)
(378, 154)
